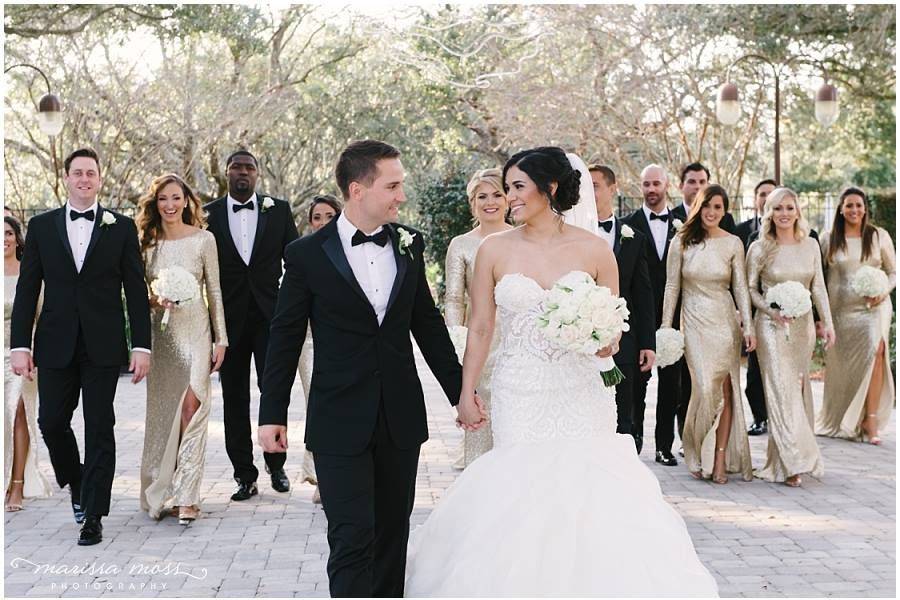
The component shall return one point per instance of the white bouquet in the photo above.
(791, 299)
(870, 282)
(582, 317)
(175, 284)
(458, 335)
(669, 347)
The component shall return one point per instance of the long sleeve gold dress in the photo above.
(459, 273)
(858, 330)
(784, 354)
(704, 275)
(172, 463)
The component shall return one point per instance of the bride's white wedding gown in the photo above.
(562, 506)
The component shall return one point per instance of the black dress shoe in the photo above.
(758, 428)
(666, 458)
(91, 531)
(245, 490)
(280, 481)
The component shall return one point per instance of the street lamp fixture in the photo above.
(49, 116)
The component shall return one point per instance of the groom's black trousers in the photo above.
(368, 499)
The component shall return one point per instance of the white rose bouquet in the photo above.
(791, 299)
(669, 346)
(582, 317)
(458, 335)
(175, 284)
(870, 282)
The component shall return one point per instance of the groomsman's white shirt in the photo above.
(243, 226)
(611, 236)
(659, 229)
(373, 266)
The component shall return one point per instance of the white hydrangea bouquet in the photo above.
(870, 282)
(458, 335)
(582, 317)
(669, 347)
(791, 299)
(175, 284)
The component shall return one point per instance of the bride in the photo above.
(562, 506)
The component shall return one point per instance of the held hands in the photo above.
(218, 358)
(750, 342)
(22, 363)
(273, 438)
(470, 412)
(646, 359)
(140, 364)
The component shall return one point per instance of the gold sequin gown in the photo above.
(305, 368)
(459, 272)
(704, 275)
(857, 330)
(784, 354)
(15, 387)
(172, 468)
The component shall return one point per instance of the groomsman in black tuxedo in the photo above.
(252, 232)
(83, 255)
(637, 346)
(654, 220)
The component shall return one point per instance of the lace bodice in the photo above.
(541, 392)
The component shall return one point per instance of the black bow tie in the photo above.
(663, 217)
(606, 225)
(88, 214)
(380, 238)
(248, 205)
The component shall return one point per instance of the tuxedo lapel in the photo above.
(617, 237)
(220, 214)
(402, 261)
(96, 232)
(262, 219)
(640, 220)
(335, 252)
(64, 234)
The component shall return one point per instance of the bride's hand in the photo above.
(470, 411)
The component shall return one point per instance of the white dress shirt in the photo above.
(79, 233)
(611, 236)
(659, 229)
(373, 266)
(243, 226)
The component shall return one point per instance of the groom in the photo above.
(360, 281)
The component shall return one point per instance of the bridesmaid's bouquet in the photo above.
(870, 282)
(580, 316)
(669, 347)
(791, 299)
(458, 335)
(175, 284)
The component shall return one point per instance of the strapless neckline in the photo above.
(535, 282)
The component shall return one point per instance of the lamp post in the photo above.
(49, 116)
(728, 107)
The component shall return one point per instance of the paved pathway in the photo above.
(834, 537)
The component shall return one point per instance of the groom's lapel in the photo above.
(335, 252)
(402, 261)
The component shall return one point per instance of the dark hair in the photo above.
(694, 166)
(609, 176)
(17, 230)
(86, 152)
(693, 232)
(837, 240)
(545, 165)
(762, 183)
(324, 199)
(359, 162)
(242, 152)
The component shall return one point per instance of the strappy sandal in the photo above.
(720, 479)
(793, 481)
(187, 514)
(874, 439)
(17, 506)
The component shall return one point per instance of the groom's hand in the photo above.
(273, 438)
(471, 414)
(21, 363)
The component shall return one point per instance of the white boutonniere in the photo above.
(627, 232)
(405, 241)
(267, 203)
(107, 219)
(677, 224)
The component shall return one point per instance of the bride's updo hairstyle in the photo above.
(546, 165)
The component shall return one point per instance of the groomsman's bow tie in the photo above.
(606, 225)
(663, 217)
(380, 238)
(248, 205)
(88, 214)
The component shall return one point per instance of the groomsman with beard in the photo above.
(637, 346)
(251, 232)
(654, 220)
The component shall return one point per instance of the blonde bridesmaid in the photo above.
(170, 222)
(705, 268)
(859, 387)
(785, 252)
(487, 201)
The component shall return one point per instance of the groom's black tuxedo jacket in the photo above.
(91, 299)
(357, 365)
(635, 287)
(240, 282)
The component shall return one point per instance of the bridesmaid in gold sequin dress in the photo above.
(178, 384)
(705, 267)
(487, 201)
(859, 387)
(785, 252)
